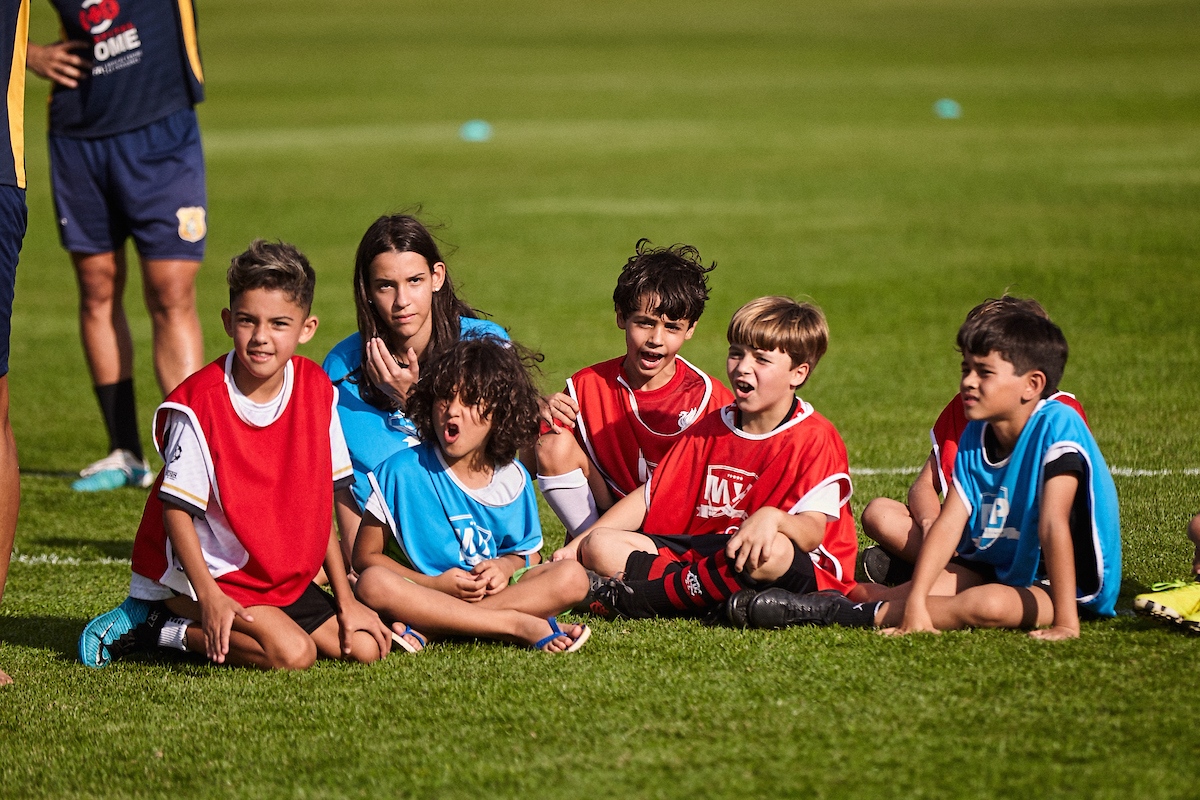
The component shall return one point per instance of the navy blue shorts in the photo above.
(148, 183)
(13, 217)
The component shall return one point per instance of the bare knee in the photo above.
(885, 519)
(571, 581)
(292, 652)
(370, 588)
(558, 453)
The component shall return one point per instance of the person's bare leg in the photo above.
(544, 590)
(272, 641)
(433, 612)
(103, 326)
(989, 605)
(605, 550)
(10, 494)
(169, 287)
(889, 523)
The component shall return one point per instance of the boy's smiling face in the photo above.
(266, 327)
(651, 343)
(764, 383)
(992, 390)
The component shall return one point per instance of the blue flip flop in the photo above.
(398, 639)
(556, 632)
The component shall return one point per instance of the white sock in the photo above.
(174, 633)
(571, 499)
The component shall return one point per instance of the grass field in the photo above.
(796, 145)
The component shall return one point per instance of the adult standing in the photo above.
(126, 160)
(14, 31)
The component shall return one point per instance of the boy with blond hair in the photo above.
(754, 495)
(1029, 536)
(239, 521)
(626, 412)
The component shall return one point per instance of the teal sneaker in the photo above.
(99, 637)
(1177, 602)
(119, 468)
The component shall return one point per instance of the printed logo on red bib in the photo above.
(724, 490)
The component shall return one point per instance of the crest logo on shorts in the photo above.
(96, 16)
(191, 223)
(724, 490)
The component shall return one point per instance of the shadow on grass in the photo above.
(59, 634)
(110, 548)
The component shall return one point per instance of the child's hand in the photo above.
(217, 611)
(569, 551)
(492, 574)
(461, 584)
(1055, 634)
(391, 376)
(352, 617)
(751, 546)
(916, 620)
(563, 410)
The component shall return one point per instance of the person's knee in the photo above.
(558, 453)
(992, 607)
(295, 652)
(884, 518)
(169, 300)
(571, 581)
(364, 649)
(370, 586)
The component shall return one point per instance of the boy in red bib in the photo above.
(755, 494)
(628, 411)
(900, 528)
(238, 525)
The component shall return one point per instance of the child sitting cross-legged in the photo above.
(753, 495)
(1029, 536)
(450, 533)
(239, 521)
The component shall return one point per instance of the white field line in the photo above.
(1120, 472)
(53, 560)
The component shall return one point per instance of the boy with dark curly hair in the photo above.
(450, 534)
(628, 411)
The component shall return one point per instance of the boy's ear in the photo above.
(621, 320)
(227, 321)
(688, 333)
(308, 328)
(799, 375)
(1035, 384)
(438, 271)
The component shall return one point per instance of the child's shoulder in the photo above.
(473, 327)
(344, 358)
(608, 371)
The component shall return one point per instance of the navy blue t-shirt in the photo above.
(14, 31)
(145, 61)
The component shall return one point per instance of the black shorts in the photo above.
(312, 609)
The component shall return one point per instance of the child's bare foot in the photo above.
(549, 637)
(406, 638)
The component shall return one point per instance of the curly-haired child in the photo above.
(450, 534)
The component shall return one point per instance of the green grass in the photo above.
(795, 144)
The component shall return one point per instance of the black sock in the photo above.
(856, 615)
(119, 411)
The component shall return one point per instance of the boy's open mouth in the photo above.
(451, 432)
(650, 360)
(742, 388)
